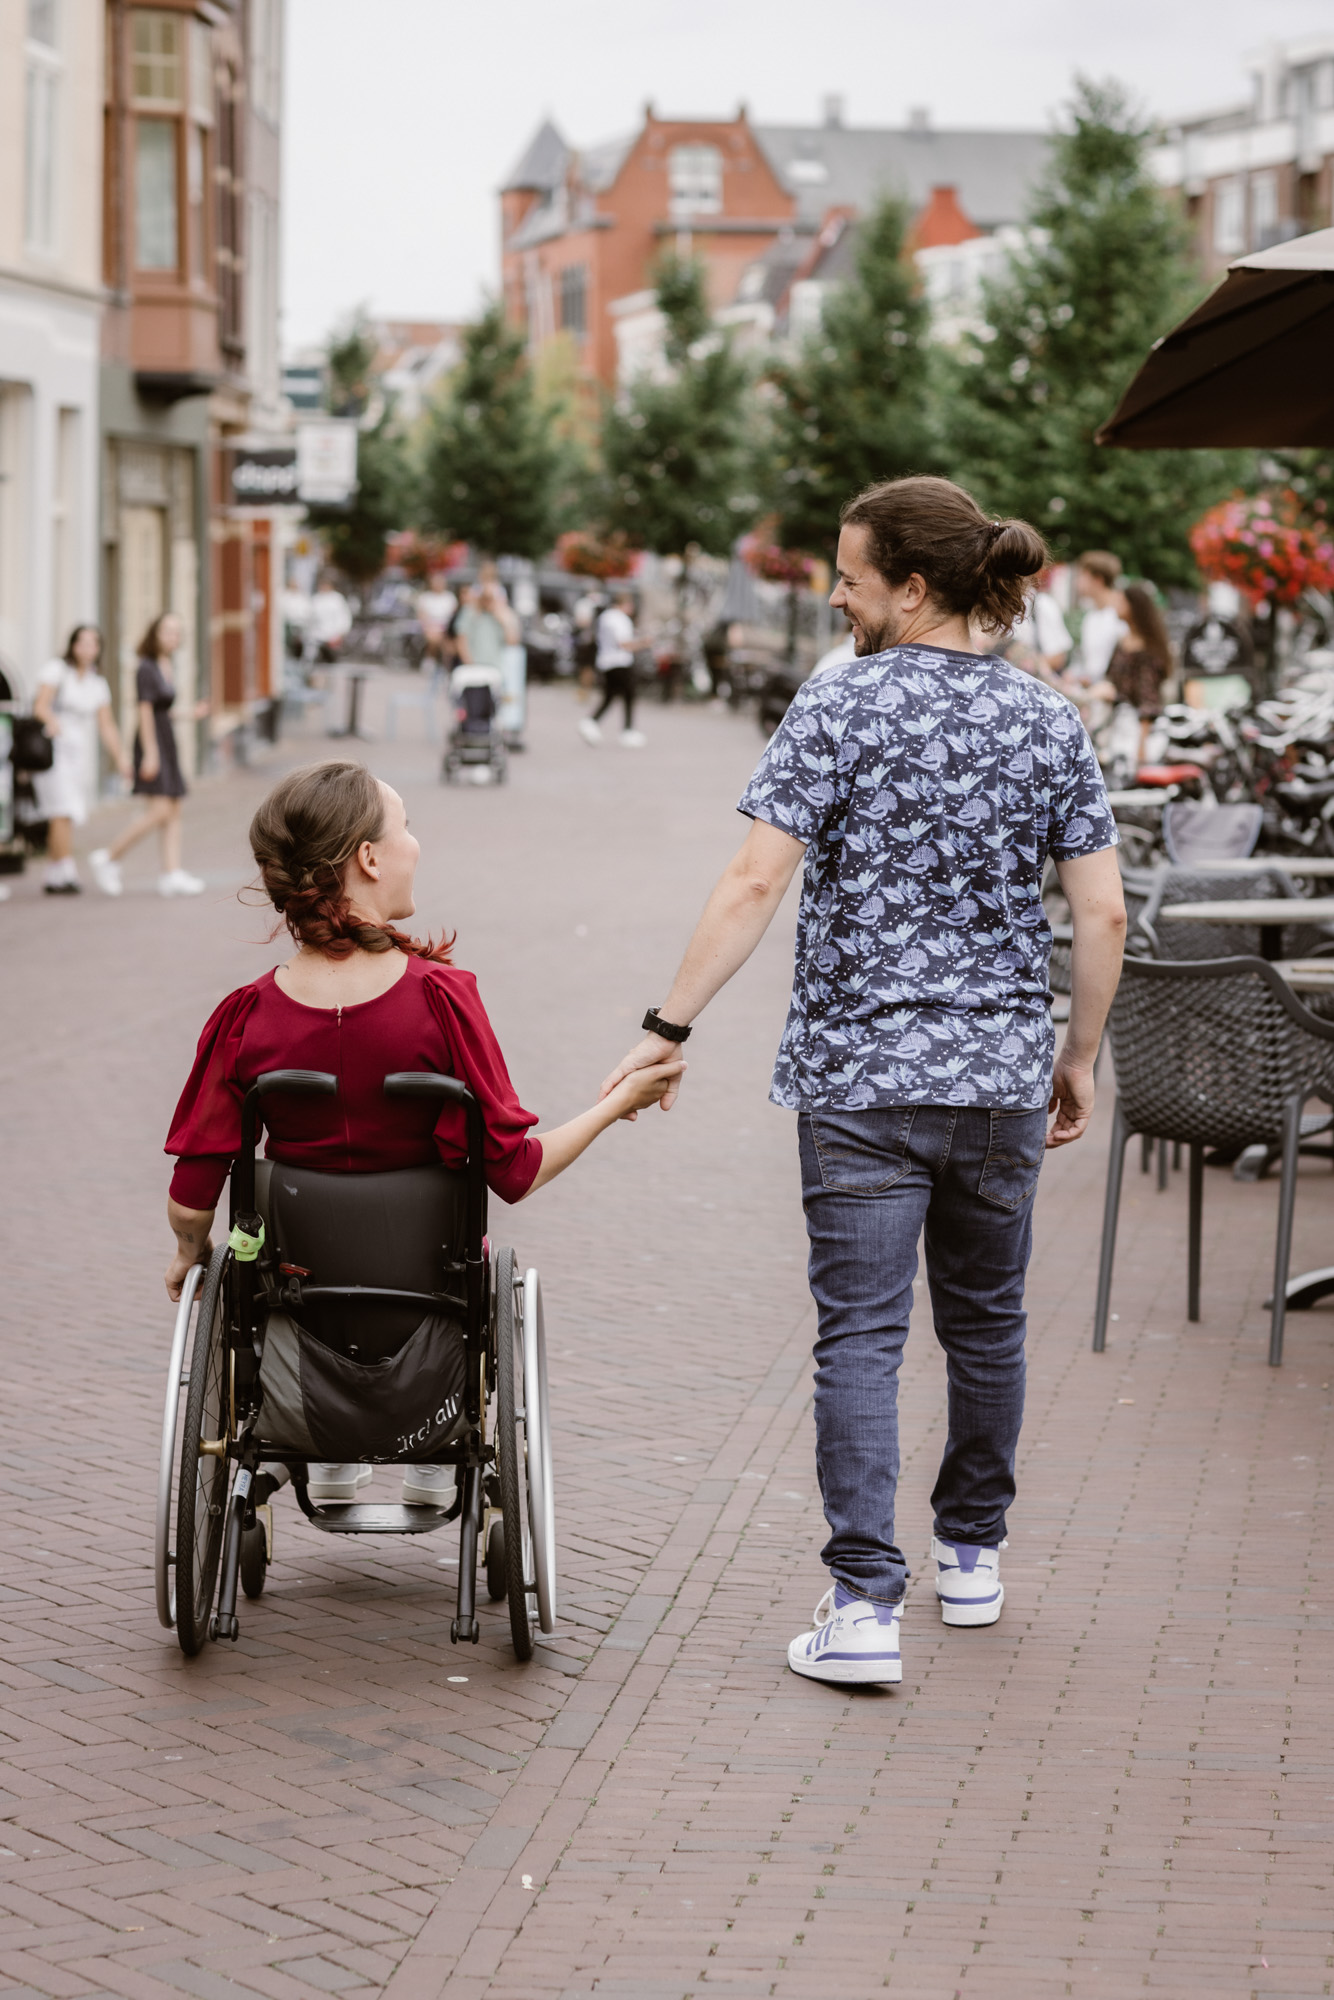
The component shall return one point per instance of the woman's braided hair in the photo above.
(302, 838)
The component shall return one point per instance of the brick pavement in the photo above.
(1119, 1789)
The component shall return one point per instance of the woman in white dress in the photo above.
(73, 704)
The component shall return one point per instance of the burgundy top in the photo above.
(430, 1019)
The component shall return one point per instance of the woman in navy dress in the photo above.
(157, 766)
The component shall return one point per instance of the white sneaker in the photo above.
(337, 1483)
(590, 730)
(968, 1582)
(106, 872)
(854, 1642)
(179, 883)
(428, 1485)
(633, 739)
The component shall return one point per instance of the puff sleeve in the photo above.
(206, 1129)
(511, 1154)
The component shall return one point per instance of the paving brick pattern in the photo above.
(1119, 1789)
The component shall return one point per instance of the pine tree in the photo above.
(1107, 271)
(677, 454)
(853, 405)
(492, 463)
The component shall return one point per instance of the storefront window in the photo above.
(157, 227)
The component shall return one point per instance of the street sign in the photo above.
(326, 457)
(265, 478)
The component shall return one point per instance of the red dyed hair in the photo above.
(303, 837)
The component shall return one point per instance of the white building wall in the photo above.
(50, 311)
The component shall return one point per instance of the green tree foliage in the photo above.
(1108, 272)
(852, 406)
(678, 454)
(384, 500)
(493, 465)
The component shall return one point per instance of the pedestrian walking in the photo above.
(923, 785)
(157, 768)
(73, 704)
(435, 608)
(616, 642)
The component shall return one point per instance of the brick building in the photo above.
(582, 230)
(1261, 170)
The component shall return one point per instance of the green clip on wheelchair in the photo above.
(356, 1317)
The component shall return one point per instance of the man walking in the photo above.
(924, 784)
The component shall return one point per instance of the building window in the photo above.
(1230, 217)
(41, 126)
(695, 179)
(1264, 210)
(155, 73)
(156, 219)
(574, 300)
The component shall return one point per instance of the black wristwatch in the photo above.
(671, 1031)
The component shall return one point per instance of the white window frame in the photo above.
(43, 73)
(695, 180)
(1264, 207)
(1230, 216)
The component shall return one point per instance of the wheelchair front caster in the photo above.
(224, 1628)
(465, 1629)
(255, 1553)
(496, 1581)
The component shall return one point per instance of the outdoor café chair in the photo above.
(1212, 1053)
(1195, 941)
(1194, 831)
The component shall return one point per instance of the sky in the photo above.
(403, 117)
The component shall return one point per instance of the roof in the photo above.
(543, 164)
(825, 166)
(600, 164)
(1301, 253)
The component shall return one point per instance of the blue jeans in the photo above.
(871, 1181)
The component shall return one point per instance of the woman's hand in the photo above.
(180, 1267)
(643, 1087)
(194, 1245)
(148, 771)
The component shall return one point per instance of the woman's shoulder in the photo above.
(239, 1003)
(450, 982)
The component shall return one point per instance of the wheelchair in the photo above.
(476, 745)
(367, 1312)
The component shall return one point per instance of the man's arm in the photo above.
(1092, 887)
(735, 918)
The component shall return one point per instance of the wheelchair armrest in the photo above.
(302, 1082)
(427, 1083)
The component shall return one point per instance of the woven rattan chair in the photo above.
(1215, 1052)
(1195, 941)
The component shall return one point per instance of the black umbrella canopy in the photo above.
(1253, 365)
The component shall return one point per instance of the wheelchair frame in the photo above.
(504, 1491)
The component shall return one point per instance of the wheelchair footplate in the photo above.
(369, 1518)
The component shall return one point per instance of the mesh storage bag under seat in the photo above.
(346, 1378)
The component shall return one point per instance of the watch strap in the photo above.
(671, 1031)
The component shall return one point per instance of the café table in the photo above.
(1268, 913)
(1308, 868)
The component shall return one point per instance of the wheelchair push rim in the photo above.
(203, 1475)
(537, 1426)
(164, 1555)
(511, 1457)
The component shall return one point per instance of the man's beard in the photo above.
(886, 634)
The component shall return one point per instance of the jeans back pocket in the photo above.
(861, 1152)
(1015, 1151)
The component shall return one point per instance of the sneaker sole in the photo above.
(973, 1614)
(848, 1673)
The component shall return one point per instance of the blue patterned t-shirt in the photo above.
(929, 787)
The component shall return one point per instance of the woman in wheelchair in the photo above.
(359, 1000)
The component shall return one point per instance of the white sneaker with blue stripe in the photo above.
(968, 1582)
(854, 1642)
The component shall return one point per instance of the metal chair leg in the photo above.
(1176, 1156)
(1287, 1203)
(1111, 1208)
(1193, 1246)
(1145, 1152)
(1162, 1165)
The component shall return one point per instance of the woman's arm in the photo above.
(107, 730)
(43, 707)
(563, 1145)
(148, 767)
(190, 1227)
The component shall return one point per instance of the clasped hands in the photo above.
(650, 1074)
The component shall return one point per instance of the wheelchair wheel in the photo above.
(164, 1555)
(203, 1476)
(511, 1459)
(537, 1428)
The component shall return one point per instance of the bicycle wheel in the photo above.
(203, 1479)
(511, 1459)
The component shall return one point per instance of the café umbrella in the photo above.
(1250, 366)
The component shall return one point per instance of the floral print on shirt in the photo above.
(929, 787)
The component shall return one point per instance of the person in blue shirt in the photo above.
(922, 785)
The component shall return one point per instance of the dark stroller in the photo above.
(356, 1316)
(475, 742)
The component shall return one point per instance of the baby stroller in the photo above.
(476, 744)
(355, 1317)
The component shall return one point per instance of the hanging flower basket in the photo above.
(765, 559)
(583, 554)
(424, 556)
(1265, 546)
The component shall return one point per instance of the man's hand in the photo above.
(654, 1049)
(1071, 1100)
